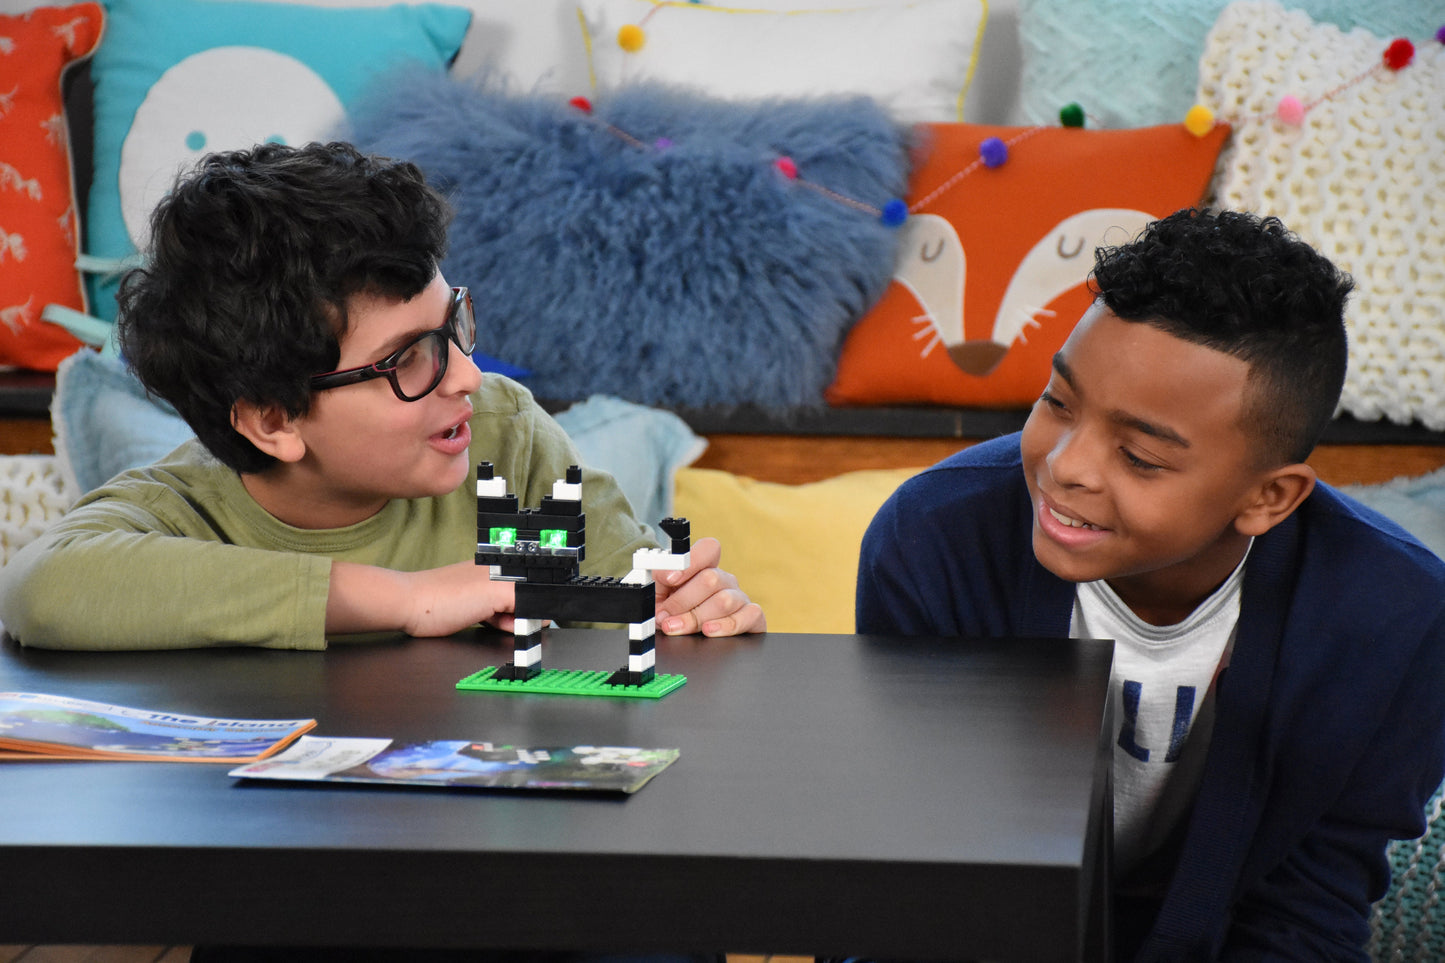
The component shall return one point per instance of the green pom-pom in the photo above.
(1072, 115)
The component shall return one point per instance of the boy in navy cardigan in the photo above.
(1279, 673)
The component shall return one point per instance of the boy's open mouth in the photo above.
(1073, 522)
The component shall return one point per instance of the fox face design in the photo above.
(933, 266)
(991, 267)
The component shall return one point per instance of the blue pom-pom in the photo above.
(895, 212)
(993, 152)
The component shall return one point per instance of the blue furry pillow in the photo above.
(654, 248)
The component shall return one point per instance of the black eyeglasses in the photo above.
(417, 367)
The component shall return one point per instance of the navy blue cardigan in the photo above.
(1329, 734)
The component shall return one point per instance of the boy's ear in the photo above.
(1277, 496)
(270, 429)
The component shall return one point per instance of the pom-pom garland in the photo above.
(994, 152)
(1291, 111)
(893, 213)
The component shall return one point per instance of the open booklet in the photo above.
(37, 726)
(476, 765)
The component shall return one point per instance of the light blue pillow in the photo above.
(105, 423)
(639, 446)
(175, 79)
(1132, 64)
(1415, 504)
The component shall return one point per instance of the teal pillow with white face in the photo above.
(176, 79)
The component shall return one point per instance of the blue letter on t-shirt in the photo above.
(1183, 713)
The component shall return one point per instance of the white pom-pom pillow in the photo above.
(916, 58)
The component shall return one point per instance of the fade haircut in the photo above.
(1246, 286)
(254, 255)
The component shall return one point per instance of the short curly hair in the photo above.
(1246, 286)
(254, 255)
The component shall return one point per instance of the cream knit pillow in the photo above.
(33, 493)
(1362, 179)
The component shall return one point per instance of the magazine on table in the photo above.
(463, 764)
(36, 726)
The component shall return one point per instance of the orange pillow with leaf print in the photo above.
(38, 223)
(993, 260)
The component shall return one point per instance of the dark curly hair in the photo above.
(253, 257)
(1246, 286)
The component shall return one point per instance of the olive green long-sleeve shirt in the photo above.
(178, 554)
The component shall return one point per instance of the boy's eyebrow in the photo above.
(393, 345)
(1161, 432)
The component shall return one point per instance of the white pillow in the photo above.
(531, 45)
(916, 59)
(1360, 179)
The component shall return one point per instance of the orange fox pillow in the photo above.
(994, 257)
(37, 207)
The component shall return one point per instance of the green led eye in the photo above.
(552, 538)
(503, 536)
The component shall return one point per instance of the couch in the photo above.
(1312, 114)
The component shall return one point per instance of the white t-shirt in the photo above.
(1162, 685)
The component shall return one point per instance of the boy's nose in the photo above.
(463, 376)
(1073, 460)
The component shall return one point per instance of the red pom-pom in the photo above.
(1399, 53)
(582, 104)
(787, 167)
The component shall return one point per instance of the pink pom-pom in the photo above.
(786, 167)
(582, 104)
(1399, 54)
(1291, 111)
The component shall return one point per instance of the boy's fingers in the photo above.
(704, 554)
(726, 613)
(699, 593)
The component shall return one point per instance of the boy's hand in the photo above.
(447, 600)
(434, 602)
(703, 598)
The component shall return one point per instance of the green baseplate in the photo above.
(573, 682)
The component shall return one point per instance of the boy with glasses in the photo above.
(293, 313)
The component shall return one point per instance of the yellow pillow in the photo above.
(794, 548)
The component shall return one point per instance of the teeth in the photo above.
(1073, 522)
